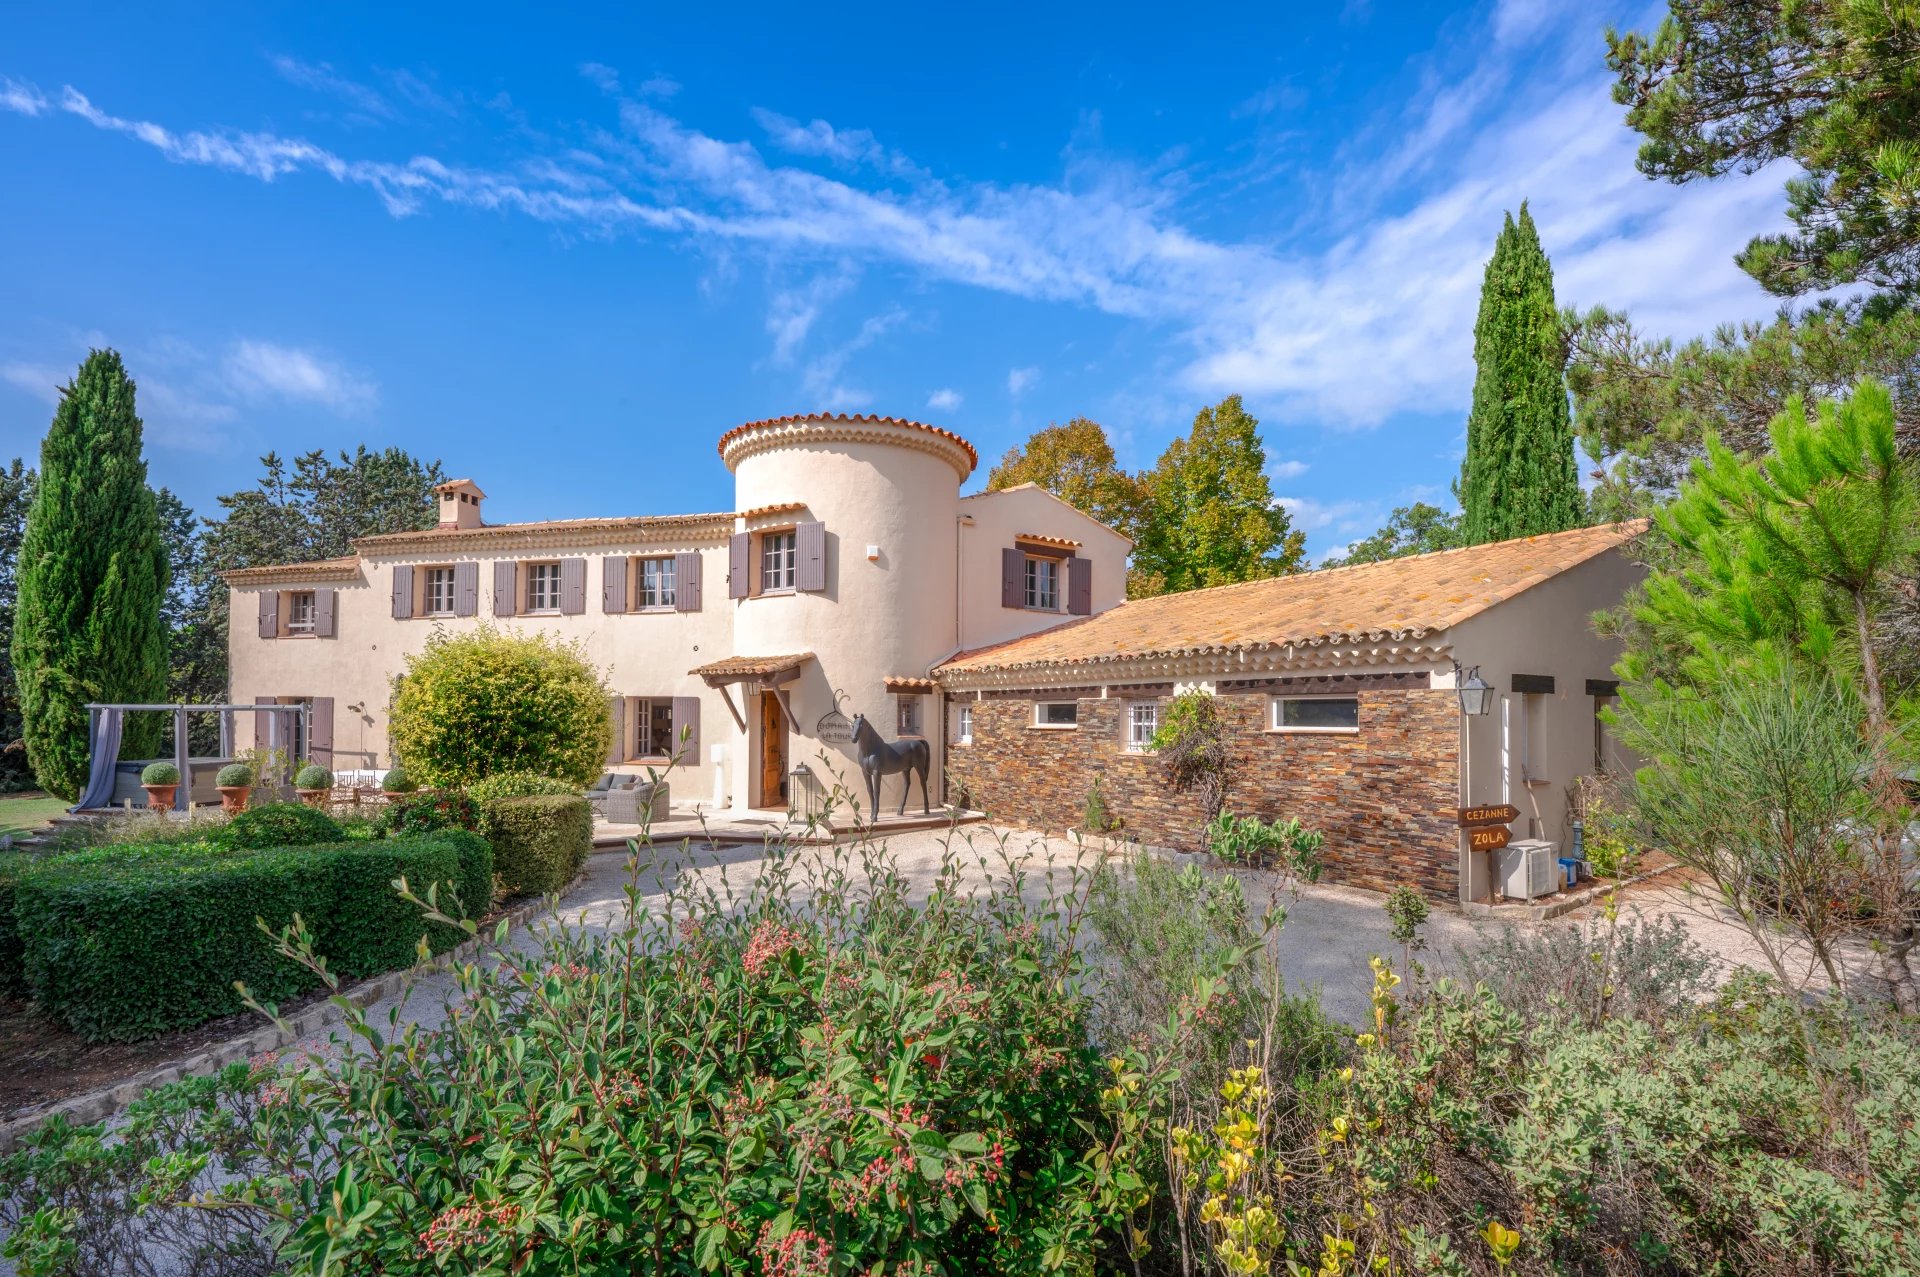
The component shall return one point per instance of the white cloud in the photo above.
(1289, 469)
(1019, 380)
(1349, 519)
(822, 377)
(261, 369)
(17, 95)
(322, 78)
(945, 399)
(42, 381)
(792, 312)
(850, 148)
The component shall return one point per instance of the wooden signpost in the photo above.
(1487, 826)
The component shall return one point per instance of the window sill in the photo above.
(1133, 752)
(301, 635)
(774, 594)
(541, 611)
(1053, 727)
(668, 610)
(439, 616)
(1310, 731)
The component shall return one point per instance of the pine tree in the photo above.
(1519, 479)
(93, 572)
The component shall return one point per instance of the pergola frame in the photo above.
(100, 771)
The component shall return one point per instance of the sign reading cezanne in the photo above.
(1505, 814)
(1488, 838)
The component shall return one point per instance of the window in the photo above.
(656, 583)
(1143, 720)
(439, 591)
(1316, 714)
(1043, 584)
(963, 725)
(777, 558)
(543, 587)
(1600, 703)
(653, 727)
(300, 612)
(909, 715)
(1056, 714)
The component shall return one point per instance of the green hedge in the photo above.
(279, 825)
(12, 978)
(539, 842)
(126, 942)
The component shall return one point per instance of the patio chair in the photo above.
(623, 806)
(598, 791)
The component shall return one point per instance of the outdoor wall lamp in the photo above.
(1476, 694)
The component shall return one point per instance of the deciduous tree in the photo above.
(1411, 529)
(93, 572)
(1519, 478)
(1076, 463)
(1211, 516)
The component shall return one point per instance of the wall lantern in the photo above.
(801, 793)
(1476, 694)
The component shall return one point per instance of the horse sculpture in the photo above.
(879, 758)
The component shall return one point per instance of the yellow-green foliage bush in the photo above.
(539, 840)
(473, 705)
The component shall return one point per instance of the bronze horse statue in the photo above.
(879, 758)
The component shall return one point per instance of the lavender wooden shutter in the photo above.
(573, 587)
(810, 544)
(617, 711)
(686, 571)
(466, 589)
(270, 614)
(403, 592)
(320, 732)
(1080, 586)
(1013, 567)
(686, 718)
(505, 587)
(739, 558)
(326, 604)
(613, 583)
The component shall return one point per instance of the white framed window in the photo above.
(1043, 584)
(908, 715)
(543, 587)
(652, 719)
(963, 725)
(1314, 714)
(656, 583)
(1056, 714)
(300, 612)
(439, 592)
(778, 554)
(1143, 720)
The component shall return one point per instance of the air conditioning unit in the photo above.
(1527, 869)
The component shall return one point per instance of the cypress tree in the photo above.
(1519, 478)
(92, 574)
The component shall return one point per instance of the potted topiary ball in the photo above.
(235, 783)
(313, 783)
(161, 781)
(397, 784)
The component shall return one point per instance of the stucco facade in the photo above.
(849, 555)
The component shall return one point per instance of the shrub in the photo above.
(313, 776)
(397, 781)
(1192, 747)
(278, 825)
(125, 942)
(519, 785)
(234, 776)
(12, 975)
(1607, 836)
(436, 809)
(476, 873)
(1593, 969)
(540, 841)
(159, 774)
(1285, 844)
(484, 702)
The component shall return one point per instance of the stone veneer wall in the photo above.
(1384, 797)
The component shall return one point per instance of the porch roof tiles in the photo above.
(1397, 599)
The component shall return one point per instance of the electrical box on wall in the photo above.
(873, 554)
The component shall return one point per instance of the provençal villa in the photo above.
(852, 577)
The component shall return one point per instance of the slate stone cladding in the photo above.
(1384, 797)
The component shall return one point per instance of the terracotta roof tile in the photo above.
(778, 507)
(1400, 598)
(856, 419)
(1040, 538)
(612, 526)
(907, 684)
(750, 666)
(341, 569)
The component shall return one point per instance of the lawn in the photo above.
(24, 813)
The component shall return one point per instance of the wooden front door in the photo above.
(773, 753)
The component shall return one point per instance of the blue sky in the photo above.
(562, 252)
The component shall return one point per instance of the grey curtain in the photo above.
(105, 746)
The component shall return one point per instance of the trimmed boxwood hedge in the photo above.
(126, 942)
(12, 977)
(540, 841)
(279, 825)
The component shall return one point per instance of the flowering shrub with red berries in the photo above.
(825, 1075)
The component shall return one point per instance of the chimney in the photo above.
(460, 503)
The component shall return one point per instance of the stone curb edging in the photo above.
(103, 1103)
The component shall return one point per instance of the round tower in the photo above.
(847, 538)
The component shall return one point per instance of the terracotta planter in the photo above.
(234, 797)
(160, 797)
(313, 797)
